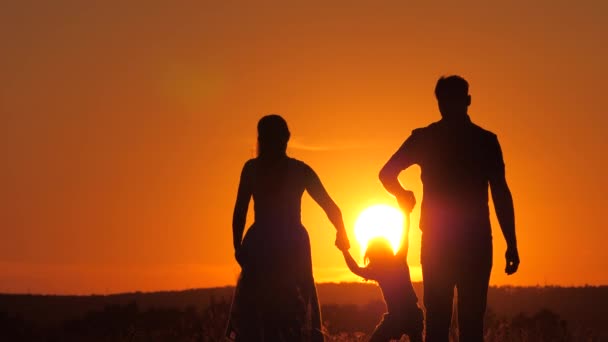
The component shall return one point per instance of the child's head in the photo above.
(378, 251)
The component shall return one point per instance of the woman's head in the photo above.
(273, 135)
(378, 251)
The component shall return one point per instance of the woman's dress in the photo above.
(275, 298)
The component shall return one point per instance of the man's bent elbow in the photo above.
(386, 175)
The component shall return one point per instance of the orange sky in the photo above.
(124, 128)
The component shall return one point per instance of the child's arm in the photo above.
(354, 267)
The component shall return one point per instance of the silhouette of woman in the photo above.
(275, 297)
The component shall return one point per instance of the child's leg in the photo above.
(438, 283)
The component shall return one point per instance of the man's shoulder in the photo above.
(251, 163)
(426, 130)
(435, 129)
(482, 132)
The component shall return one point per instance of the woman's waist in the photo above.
(277, 223)
(272, 233)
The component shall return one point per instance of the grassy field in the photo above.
(350, 312)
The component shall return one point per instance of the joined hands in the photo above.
(342, 242)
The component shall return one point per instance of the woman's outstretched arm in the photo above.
(243, 197)
(318, 193)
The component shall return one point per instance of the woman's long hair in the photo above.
(273, 135)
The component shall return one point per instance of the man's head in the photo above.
(452, 93)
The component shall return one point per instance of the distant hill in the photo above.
(43, 308)
(59, 307)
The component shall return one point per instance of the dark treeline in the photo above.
(125, 323)
(38, 307)
(341, 323)
(350, 312)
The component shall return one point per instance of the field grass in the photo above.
(514, 314)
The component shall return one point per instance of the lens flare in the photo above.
(379, 221)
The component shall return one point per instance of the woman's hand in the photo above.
(342, 240)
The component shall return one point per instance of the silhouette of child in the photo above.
(392, 274)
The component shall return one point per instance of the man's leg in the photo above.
(415, 337)
(414, 324)
(438, 297)
(386, 330)
(472, 288)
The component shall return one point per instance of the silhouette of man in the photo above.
(458, 161)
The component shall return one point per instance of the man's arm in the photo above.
(389, 178)
(401, 160)
(503, 204)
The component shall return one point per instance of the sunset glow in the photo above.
(125, 126)
(379, 221)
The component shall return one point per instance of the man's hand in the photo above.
(406, 201)
(512, 257)
(342, 240)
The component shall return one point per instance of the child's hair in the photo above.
(378, 249)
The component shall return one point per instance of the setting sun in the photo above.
(379, 220)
